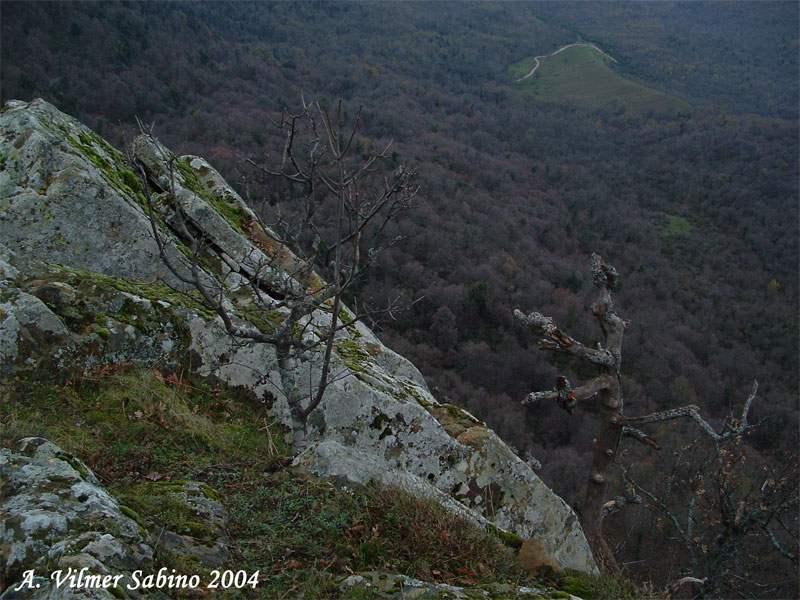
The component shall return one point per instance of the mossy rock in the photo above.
(353, 356)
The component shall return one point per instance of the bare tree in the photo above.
(731, 518)
(288, 306)
(607, 387)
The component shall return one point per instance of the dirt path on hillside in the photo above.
(584, 44)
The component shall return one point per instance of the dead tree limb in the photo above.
(607, 388)
(640, 436)
(733, 428)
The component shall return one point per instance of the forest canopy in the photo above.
(697, 204)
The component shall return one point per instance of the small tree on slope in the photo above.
(288, 306)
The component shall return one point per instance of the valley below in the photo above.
(666, 142)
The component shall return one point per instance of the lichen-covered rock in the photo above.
(57, 516)
(27, 326)
(391, 586)
(348, 465)
(67, 197)
(55, 318)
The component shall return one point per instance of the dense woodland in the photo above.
(697, 209)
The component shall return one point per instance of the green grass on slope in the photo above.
(134, 427)
(142, 431)
(582, 75)
(676, 226)
(522, 68)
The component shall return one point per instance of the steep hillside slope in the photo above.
(84, 288)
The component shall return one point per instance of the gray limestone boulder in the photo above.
(55, 517)
(68, 197)
(57, 521)
(55, 319)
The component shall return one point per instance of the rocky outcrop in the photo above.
(57, 518)
(67, 196)
(83, 285)
(199, 519)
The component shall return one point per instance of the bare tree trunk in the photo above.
(607, 441)
(603, 456)
(607, 386)
(287, 366)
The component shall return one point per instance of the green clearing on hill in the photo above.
(581, 75)
(676, 226)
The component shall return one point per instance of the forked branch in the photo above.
(556, 339)
(733, 428)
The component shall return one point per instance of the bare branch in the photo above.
(640, 436)
(558, 340)
(779, 547)
(629, 497)
(733, 428)
(684, 535)
(567, 397)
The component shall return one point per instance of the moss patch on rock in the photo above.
(114, 166)
(511, 540)
(155, 291)
(353, 356)
(167, 509)
(230, 210)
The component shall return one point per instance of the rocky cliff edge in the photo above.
(83, 285)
